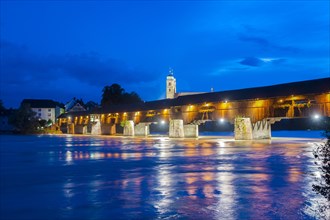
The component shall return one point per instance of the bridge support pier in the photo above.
(70, 128)
(108, 129)
(243, 129)
(176, 128)
(80, 129)
(261, 129)
(190, 131)
(96, 128)
(142, 129)
(129, 128)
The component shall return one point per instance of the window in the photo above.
(39, 114)
(49, 110)
(169, 90)
(39, 109)
(49, 114)
(169, 83)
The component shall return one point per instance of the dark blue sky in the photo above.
(65, 49)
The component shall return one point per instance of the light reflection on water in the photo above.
(100, 178)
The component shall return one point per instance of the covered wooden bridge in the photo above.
(252, 110)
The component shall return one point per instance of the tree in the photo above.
(2, 107)
(322, 160)
(90, 105)
(112, 94)
(24, 120)
(115, 94)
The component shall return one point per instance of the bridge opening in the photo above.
(159, 128)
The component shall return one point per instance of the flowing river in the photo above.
(99, 177)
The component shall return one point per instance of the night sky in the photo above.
(64, 49)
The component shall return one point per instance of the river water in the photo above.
(84, 177)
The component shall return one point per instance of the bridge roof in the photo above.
(316, 86)
(279, 90)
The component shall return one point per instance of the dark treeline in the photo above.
(115, 94)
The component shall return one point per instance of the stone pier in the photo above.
(96, 128)
(190, 131)
(108, 129)
(80, 129)
(176, 128)
(261, 129)
(70, 128)
(129, 128)
(243, 129)
(142, 129)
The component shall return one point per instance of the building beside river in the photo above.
(45, 109)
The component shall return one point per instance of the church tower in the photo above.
(170, 85)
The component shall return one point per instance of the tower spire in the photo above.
(170, 72)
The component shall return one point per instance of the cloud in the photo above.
(264, 43)
(20, 65)
(252, 61)
(257, 40)
(257, 62)
(26, 74)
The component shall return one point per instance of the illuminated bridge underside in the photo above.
(249, 109)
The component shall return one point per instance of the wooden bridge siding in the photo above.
(166, 115)
(260, 109)
(255, 109)
(325, 100)
(189, 113)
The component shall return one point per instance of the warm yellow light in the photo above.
(125, 113)
(207, 104)
(137, 113)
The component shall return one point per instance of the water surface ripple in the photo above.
(82, 177)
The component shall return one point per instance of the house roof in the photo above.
(41, 103)
(280, 90)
